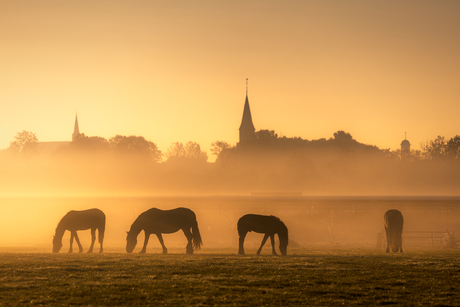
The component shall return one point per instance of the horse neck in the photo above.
(282, 230)
(136, 227)
(60, 229)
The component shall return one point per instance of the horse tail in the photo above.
(197, 242)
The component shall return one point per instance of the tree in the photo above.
(25, 142)
(453, 148)
(342, 136)
(191, 151)
(219, 146)
(135, 145)
(90, 143)
(435, 149)
(266, 134)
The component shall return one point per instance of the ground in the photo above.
(314, 277)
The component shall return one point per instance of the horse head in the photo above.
(283, 245)
(57, 244)
(131, 241)
(284, 238)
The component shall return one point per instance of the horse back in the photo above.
(166, 221)
(393, 219)
(259, 223)
(84, 219)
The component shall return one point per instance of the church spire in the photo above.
(247, 130)
(76, 130)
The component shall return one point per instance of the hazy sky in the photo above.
(175, 71)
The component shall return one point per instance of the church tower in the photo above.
(76, 130)
(405, 149)
(247, 130)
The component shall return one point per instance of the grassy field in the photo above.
(219, 277)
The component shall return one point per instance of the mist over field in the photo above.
(133, 166)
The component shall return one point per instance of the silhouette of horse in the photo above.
(80, 220)
(268, 225)
(393, 227)
(158, 221)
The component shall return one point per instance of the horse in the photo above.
(80, 220)
(393, 221)
(158, 221)
(268, 225)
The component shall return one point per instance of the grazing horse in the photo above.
(268, 225)
(80, 220)
(165, 221)
(393, 227)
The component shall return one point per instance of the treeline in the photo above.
(132, 165)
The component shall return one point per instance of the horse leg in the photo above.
(101, 240)
(272, 240)
(188, 234)
(144, 249)
(160, 238)
(93, 238)
(71, 241)
(80, 248)
(241, 242)
(388, 239)
(263, 243)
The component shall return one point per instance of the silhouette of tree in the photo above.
(25, 142)
(176, 149)
(266, 135)
(135, 145)
(453, 147)
(90, 143)
(218, 146)
(435, 149)
(191, 151)
(342, 136)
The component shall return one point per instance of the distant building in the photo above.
(247, 130)
(50, 147)
(76, 130)
(405, 149)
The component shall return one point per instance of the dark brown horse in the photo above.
(268, 225)
(158, 221)
(394, 221)
(80, 220)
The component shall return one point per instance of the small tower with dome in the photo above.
(405, 148)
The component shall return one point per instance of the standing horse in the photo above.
(80, 220)
(158, 221)
(268, 225)
(394, 221)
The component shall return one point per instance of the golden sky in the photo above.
(175, 71)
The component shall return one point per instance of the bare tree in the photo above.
(218, 146)
(191, 151)
(24, 142)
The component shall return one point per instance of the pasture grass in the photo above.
(220, 277)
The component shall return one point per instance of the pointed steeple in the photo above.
(76, 130)
(247, 130)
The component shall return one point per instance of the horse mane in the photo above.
(281, 224)
(61, 220)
